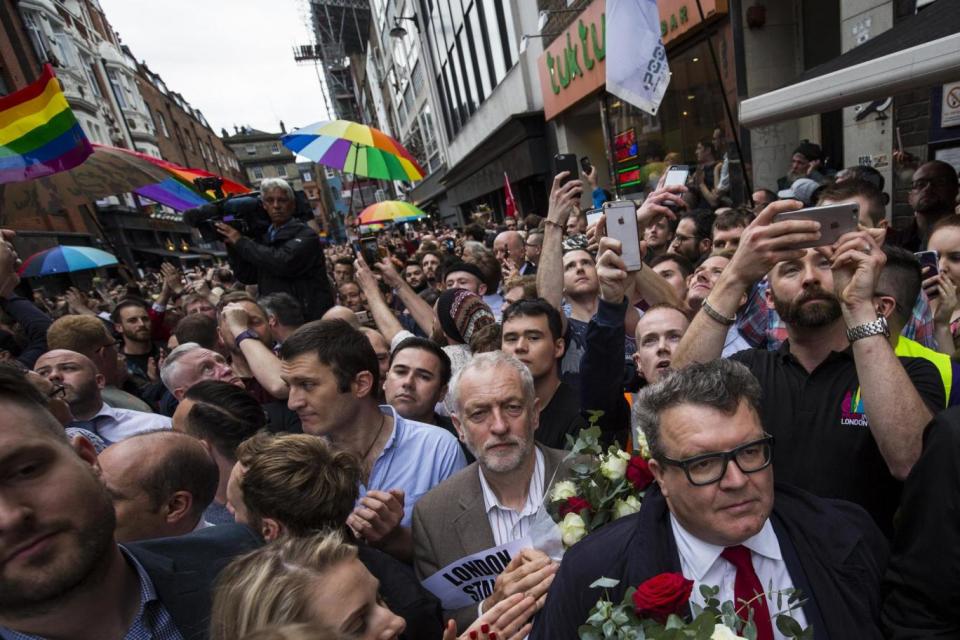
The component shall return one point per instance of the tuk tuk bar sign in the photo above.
(574, 65)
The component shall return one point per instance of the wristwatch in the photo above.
(877, 327)
(249, 333)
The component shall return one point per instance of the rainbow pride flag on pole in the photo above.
(39, 134)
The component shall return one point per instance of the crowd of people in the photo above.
(288, 445)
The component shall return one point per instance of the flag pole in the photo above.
(726, 103)
(609, 139)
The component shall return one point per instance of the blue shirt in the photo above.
(152, 622)
(416, 458)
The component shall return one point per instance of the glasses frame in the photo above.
(726, 456)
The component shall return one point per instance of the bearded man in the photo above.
(847, 413)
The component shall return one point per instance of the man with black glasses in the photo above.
(933, 195)
(726, 525)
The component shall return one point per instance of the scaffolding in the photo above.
(341, 30)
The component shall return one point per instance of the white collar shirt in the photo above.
(701, 562)
(113, 424)
(506, 523)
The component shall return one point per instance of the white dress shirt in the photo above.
(701, 562)
(506, 523)
(113, 424)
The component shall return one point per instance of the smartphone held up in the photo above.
(835, 220)
(621, 220)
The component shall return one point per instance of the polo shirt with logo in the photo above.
(823, 438)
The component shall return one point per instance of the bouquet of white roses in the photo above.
(609, 485)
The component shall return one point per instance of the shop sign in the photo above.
(574, 66)
(678, 17)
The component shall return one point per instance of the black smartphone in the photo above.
(566, 162)
(931, 259)
(585, 164)
(370, 250)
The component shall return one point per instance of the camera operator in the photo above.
(285, 258)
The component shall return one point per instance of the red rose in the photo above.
(574, 504)
(662, 595)
(638, 473)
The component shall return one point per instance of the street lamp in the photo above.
(523, 40)
(397, 31)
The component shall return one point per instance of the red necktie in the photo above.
(746, 588)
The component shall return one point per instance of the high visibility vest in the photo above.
(912, 349)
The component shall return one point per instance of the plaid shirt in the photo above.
(153, 621)
(763, 328)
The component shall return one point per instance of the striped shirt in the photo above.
(505, 523)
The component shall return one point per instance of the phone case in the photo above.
(622, 226)
(835, 220)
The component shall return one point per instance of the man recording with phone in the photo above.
(286, 258)
(847, 413)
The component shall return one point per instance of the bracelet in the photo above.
(556, 224)
(716, 315)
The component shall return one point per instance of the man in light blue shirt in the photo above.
(83, 383)
(333, 376)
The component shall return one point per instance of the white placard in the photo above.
(470, 579)
(950, 107)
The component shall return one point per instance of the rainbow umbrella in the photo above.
(390, 211)
(354, 148)
(65, 259)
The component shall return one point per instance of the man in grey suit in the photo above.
(494, 500)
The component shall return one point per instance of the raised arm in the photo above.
(895, 410)
(764, 243)
(386, 322)
(263, 363)
(422, 313)
(550, 268)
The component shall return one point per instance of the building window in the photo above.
(91, 78)
(251, 149)
(473, 51)
(257, 173)
(275, 148)
(65, 49)
(162, 124)
(282, 171)
(32, 21)
(118, 89)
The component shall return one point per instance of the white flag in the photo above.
(637, 69)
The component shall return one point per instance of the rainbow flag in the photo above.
(39, 134)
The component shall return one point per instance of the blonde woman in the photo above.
(318, 580)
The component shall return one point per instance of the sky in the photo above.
(231, 59)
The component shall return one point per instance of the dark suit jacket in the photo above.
(404, 594)
(183, 570)
(450, 522)
(922, 584)
(833, 550)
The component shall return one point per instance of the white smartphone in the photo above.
(677, 174)
(835, 220)
(593, 216)
(621, 219)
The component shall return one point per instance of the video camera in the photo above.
(244, 212)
